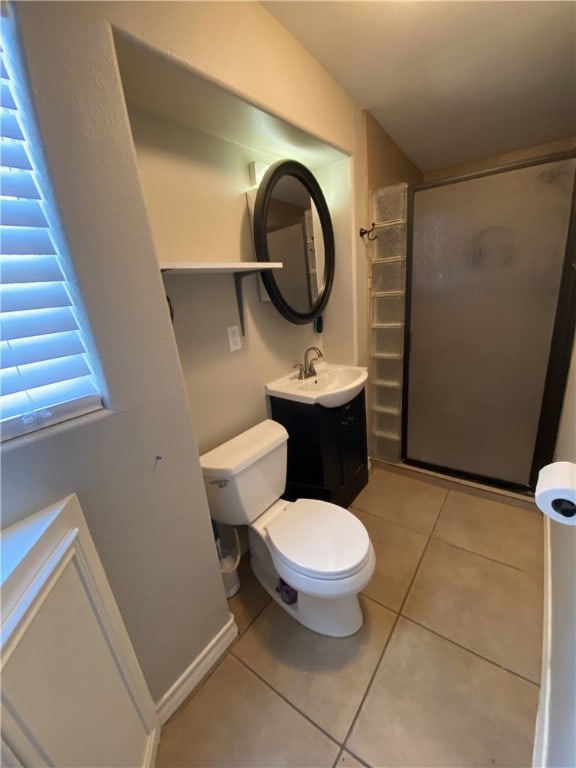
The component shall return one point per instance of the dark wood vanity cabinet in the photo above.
(327, 449)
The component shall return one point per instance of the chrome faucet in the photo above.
(307, 369)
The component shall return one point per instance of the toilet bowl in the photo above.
(311, 556)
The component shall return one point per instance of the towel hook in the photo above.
(364, 232)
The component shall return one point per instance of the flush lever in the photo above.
(220, 483)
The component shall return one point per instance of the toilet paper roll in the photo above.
(556, 492)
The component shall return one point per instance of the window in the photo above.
(45, 372)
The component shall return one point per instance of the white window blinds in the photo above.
(45, 373)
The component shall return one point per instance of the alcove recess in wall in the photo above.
(194, 143)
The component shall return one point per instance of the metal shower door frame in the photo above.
(560, 345)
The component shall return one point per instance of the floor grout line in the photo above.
(284, 698)
(392, 630)
(463, 647)
(456, 483)
(438, 634)
(253, 619)
(379, 603)
(342, 746)
(469, 650)
(353, 509)
(418, 564)
(355, 756)
(431, 537)
(366, 692)
(338, 756)
(444, 500)
(479, 554)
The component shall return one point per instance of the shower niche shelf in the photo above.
(238, 269)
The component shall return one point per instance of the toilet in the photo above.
(311, 556)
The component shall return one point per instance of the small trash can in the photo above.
(228, 563)
(230, 575)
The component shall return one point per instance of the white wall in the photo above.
(149, 519)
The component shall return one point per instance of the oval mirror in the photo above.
(292, 224)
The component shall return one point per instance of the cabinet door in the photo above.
(305, 471)
(327, 449)
(334, 476)
(357, 447)
(353, 449)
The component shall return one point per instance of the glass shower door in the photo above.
(487, 259)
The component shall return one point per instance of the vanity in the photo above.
(327, 449)
(325, 417)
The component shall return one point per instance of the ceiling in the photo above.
(450, 82)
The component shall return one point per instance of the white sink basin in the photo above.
(333, 385)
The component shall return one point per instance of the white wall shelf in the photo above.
(239, 269)
(210, 267)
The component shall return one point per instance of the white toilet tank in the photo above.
(247, 474)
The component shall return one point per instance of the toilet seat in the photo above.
(319, 540)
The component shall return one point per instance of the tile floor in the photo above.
(444, 671)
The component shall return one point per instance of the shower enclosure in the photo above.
(488, 321)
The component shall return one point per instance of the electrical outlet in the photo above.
(234, 338)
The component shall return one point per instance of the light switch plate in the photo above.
(234, 338)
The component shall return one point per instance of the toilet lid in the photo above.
(319, 539)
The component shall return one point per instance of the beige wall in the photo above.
(386, 164)
(149, 519)
(194, 187)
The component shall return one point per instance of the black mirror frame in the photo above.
(263, 197)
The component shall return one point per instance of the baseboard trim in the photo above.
(151, 748)
(197, 671)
